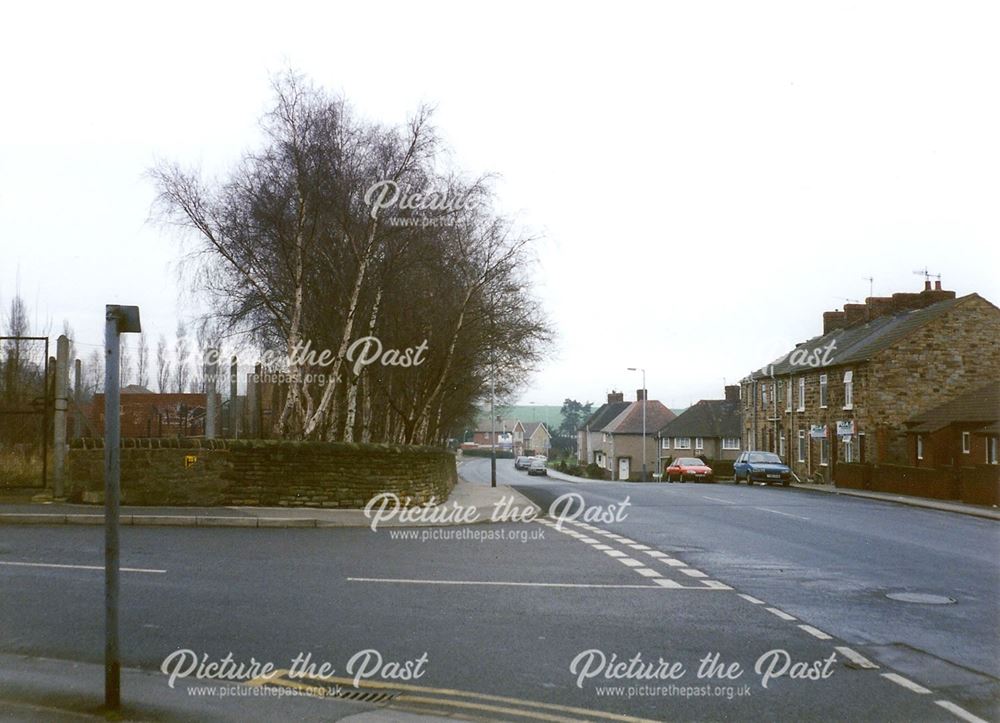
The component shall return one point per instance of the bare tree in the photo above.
(142, 362)
(162, 365)
(95, 372)
(125, 362)
(182, 352)
(292, 249)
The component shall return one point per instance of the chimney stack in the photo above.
(927, 284)
(615, 397)
(733, 393)
(640, 394)
(876, 307)
(937, 285)
(833, 320)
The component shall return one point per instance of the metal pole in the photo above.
(59, 417)
(112, 475)
(493, 432)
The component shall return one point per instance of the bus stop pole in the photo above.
(112, 477)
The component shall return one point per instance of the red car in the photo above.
(688, 468)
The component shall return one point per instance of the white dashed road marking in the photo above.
(78, 567)
(906, 683)
(780, 613)
(815, 632)
(751, 598)
(856, 658)
(779, 512)
(960, 712)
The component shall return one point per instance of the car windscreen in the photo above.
(690, 462)
(763, 458)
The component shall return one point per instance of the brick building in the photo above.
(147, 414)
(712, 428)
(846, 395)
(589, 447)
(961, 432)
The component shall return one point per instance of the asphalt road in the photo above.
(689, 571)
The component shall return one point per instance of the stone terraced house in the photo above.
(879, 365)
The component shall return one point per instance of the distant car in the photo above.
(688, 468)
(522, 462)
(538, 467)
(765, 467)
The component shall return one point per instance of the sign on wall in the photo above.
(817, 431)
(845, 429)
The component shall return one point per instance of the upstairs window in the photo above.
(788, 396)
(848, 390)
(822, 391)
(699, 443)
(920, 446)
(966, 442)
(802, 394)
(682, 443)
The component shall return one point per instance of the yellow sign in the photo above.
(189, 460)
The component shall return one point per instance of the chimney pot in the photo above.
(927, 284)
(937, 285)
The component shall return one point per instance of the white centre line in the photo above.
(815, 632)
(751, 598)
(79, 567)
(906, 683)
(960, 712)
(856, 658)
(779, 512)
(716, 499)
(780, 613)
(661, 583)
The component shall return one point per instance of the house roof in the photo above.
(629, 420)
(863, 341)
(530, 427)
(977, 406)
(503, 425)
(707, 418)
(604, 414)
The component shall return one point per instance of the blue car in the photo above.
(765, 467)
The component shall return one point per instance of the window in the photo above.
(682, 443)
(605, 437)
(991, 451)
(781, 445)
(730, 442)
(788, 397)
(802, 394)
(966, 442)
(848, 449)
(665, 443)
(822, 391)
(920, 446)
(824, 451)
(802, 445)
(848, 390)
(763, 394)
(699, 443)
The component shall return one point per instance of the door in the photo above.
(623, 468)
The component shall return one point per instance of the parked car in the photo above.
(538, 467)
(689, 468)
(522, 462)
(765, 467)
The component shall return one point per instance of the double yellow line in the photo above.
(468, 702)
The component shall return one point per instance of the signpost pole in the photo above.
(117, 319)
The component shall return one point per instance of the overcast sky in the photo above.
(708, 178)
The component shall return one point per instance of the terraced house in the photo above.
(877, 366)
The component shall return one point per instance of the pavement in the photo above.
(472, 500)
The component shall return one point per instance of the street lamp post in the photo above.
(644, 395)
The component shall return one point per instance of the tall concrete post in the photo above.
(77, 400)
(234, 417)
(59, 418)
(211, 398)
